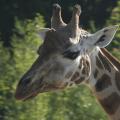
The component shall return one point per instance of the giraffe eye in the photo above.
(71, 54)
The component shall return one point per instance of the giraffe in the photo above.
(70, 56)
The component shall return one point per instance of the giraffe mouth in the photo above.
(20, 96)
(29, 93)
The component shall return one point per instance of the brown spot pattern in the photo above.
(111, 103)
(117, 79)
(105, 62)
(80, 65)
(86, 68)
(103, 83)
(75, 76)
(80, 80)
(87, 63)
(68, 75)
(98, 63)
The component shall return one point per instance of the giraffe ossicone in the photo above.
(70, 55)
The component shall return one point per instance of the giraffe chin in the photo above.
(26, 97)
(25, 93)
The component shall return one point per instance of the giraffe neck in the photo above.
(105, 83)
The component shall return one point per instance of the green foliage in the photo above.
(12, 66)
(115, 20)
(74, 104)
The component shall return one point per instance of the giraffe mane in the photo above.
(111, 58)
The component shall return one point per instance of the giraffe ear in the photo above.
(103, 37)
(42, 32)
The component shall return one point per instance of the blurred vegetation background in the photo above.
(18, 45)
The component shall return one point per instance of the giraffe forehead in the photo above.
(62, 36)
(56, 41)
(53, 43)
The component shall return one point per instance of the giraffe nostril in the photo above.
(24, 81)
(27, 81)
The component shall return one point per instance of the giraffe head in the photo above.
(49, 70)
(66, 48)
